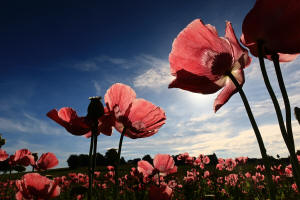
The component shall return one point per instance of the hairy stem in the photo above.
(290, 138)
(118, 164)
(258, 137)
(90, 167)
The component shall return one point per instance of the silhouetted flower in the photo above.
(200, 60)
(275, 23)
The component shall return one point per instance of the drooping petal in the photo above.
(188, 81)
(275, 23)
(68, 118)
(240, 54)
(47, 161)
(145, 167)
(284, 57)
(143, 119)
(118, 98)
(229, 89)
(105, 124)
(194, 50)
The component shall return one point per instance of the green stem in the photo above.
(118, 164)
(258, 136)
(290, 144)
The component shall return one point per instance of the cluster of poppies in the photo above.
(31, 185)
(141, 118)
(197, 179)
(25, 158)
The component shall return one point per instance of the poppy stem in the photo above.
(261, 145)
(118, 163)
(90, 167)
(94, 156)
(290, 138)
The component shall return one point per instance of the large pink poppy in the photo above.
(46, 161)
(140, 117)
(200, 60)
(35, 186)
(3, 155)
(163, 163)
(68, 118)
(276, 24)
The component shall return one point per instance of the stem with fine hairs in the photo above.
(116, 194)
(261, 145)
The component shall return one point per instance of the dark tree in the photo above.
(83, 160)
(148, 158)
(122, 161)
(4, 166)
(100, 160)
(73, 161)
(111, 157)
(213, 159)
(134, 161)
(19, 168)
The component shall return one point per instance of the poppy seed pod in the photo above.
(95, 108)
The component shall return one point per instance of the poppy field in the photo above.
(201, 62)
(194, 178)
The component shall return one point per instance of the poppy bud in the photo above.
(95, 109)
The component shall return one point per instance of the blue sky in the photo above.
(56, 54)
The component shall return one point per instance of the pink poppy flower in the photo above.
(163, 163)
(140, 117)
(145, 168)
(275, 24)
(35, 186)
(3, 155)
(68, 118)
(200, 60)
(23, 157)
(231, 179)
(46, 161)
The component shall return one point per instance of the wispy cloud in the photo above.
(117, 61)
(29, 124)
(86, 66)
(97, 87)
(157, 74)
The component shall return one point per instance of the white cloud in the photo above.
(156, 76)
(29, 124)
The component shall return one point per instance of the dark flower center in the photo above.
(221, 64)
